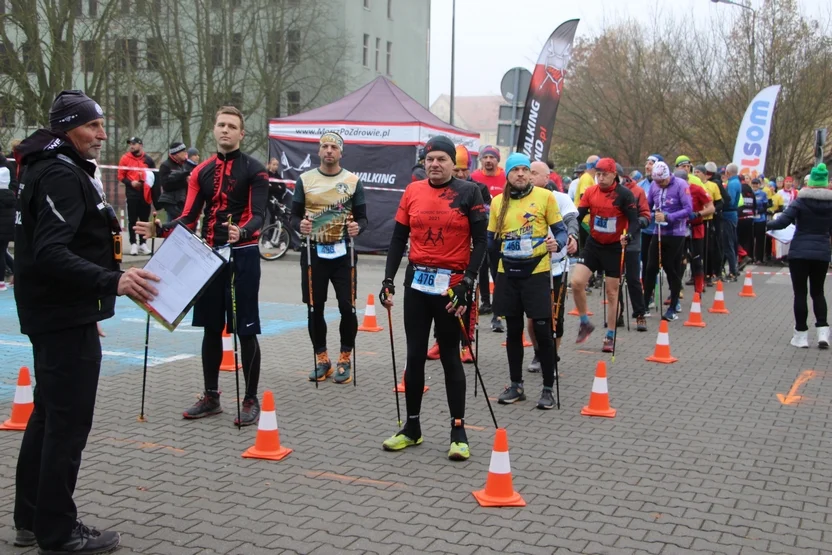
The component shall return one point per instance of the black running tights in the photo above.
(545, 348)
(212, 357)
(813, 271)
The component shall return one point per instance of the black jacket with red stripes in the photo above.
(232, 184)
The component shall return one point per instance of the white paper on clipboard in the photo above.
(784, 235)
(184, 265)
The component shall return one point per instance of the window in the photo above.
(294, 3)
(28, 55)
(6, 117)
(216, 4)
(153, 54)
(76, 8)
(216, 51)
(389, 58)
(157, 7)
(292, 102)
(237, 50)
(123, 107)
(125, 6)
(236, 100)
(30, 119)
(141, 7)
(293, 46)
(389, 9)
(5, 56)
(366, 4)
(93, 8)
(127, 54)
(378, 52)
(2, 7)
(87, 55)
(365, 56)
(154, 111)
(274, 53)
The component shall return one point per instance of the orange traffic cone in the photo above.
(574, 312)
(400, 388)
(526, 342)
(267, 443)
(662, 352)
(227, 364)
(719, 301)
(491, 286)
(695, 318)
(499, 491)
(747, 287)
(599, 399)
(370, 323)
(23, 404)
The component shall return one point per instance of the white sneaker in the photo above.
(134, 249)
(823, 337)
(144, 249)
(800, 339)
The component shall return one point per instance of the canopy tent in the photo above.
(383, 129)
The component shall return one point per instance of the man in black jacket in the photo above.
(67, 242)
(173, 178)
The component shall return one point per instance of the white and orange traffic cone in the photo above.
(499, 490)
(599, 399)
(267, 443)
(662, 351)
(370, 323)
(526, 342)
(695, 318)
(227, 363)
(719, 301)
(23, 404)
(400, 388)
(747, 287)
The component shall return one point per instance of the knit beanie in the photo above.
(517, 159)
(441, 143)
(461, 158)
(73, 109)
(819, 176)
(490, 151)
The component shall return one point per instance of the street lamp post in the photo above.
(453, 59)
(752, 46)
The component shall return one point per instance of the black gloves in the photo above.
(387, 290)
(460, 294)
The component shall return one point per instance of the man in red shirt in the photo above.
(138, 207)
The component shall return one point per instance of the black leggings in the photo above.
(671, 264)
(420, 309)
(212, 357)
(813, 271)
(137, 210)
(485, 283)
(545, 348)
(338, 272)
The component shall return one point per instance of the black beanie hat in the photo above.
(72, 109)
(442, 144)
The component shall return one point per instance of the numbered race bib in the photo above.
(518, 248)
(332, 250)
(433, 281)
(605, 225)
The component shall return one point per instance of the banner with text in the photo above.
(545, 89)
(752, 140)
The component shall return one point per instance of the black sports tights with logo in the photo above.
(212, 358)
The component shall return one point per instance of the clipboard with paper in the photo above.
(185, 265)
(784, 235)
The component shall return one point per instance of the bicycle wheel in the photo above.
(274, 242)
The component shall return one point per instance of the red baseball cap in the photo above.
(606, 165)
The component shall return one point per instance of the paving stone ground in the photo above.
(702, 458)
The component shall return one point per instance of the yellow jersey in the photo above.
(713, 190)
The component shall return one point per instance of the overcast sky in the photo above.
(492, 36)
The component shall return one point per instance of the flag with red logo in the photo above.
(545, 89)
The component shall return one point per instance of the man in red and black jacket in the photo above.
(228, 184)
(138, 202)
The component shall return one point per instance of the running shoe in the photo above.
(85, 539)
(534, 365)
(547, 399)
(342, 369)
(497, 325)
(323, 368)
(433, 352)
(249, 413)
(466, 356)
(608, 341)
(24, 538)
(400, 441)
(485, 308)
(207, 405)
(641, 323)
(512, 394)
(459, 452)
(670, 315)
(584, 331)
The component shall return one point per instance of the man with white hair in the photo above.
(730, 217)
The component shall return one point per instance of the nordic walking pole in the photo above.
(311, 303)
(352, 298)
(604, 297)
(554, 304)
(234, 324)
(476, 331)
(618, 304)
(661, 296)
(141, 417)
(393, 356)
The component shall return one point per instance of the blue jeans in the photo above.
(729, 244)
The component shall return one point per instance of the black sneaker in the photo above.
(249, 413)
(497, 325)
(512, 394)
(584, 332)
(689, 282)
(85, 541)
(641, 323)
(24, 538)
(547, 399)
(485, 308)
(207, 405)
(534, 365)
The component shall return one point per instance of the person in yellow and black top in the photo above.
(329, 208)
(713, 247)
(518, 233)
(438, 283)
(612, 210)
